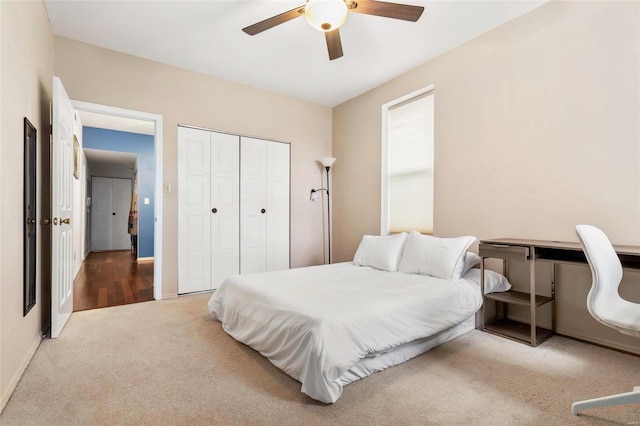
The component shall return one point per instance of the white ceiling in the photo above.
(206, 36)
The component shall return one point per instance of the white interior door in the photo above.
(253, 205)
(61, 209)
(277, 188)
(194, 216)
(225, 207)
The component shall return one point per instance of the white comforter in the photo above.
(315, 323)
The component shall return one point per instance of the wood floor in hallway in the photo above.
(112, 278)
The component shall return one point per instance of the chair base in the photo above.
(607, 401)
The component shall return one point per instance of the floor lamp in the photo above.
(327, 162)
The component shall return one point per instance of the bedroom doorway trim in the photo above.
(157, 147)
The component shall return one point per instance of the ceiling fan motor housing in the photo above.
(326, 15)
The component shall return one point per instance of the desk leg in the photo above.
(482, 293)
(532, 292)
(553, 297)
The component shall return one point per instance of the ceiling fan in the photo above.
(329, 15)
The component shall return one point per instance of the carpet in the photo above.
(167, 363)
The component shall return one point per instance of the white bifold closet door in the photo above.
(194, 222)
(264, 205)
(111, 199)
(225, 207)
(233, 207)
(208, 240)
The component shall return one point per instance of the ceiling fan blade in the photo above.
(273, 21)
(405, 12)
(334, 45)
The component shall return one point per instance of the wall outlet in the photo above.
(167, 187)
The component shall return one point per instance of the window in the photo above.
(407, 163)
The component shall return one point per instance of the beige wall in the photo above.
(536, 130)
(106, 77)
(25, 85)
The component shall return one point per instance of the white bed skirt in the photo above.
(374, 363)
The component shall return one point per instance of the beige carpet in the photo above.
(166, 362)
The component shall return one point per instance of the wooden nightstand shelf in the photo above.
(532, 333)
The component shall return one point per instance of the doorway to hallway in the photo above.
(111, 278)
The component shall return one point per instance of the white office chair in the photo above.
(606, 305)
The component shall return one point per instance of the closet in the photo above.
(233, 207)
(111, 199)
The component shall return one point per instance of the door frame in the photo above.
(158, 148)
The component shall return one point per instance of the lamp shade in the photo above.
(326, 15)
(327, 161)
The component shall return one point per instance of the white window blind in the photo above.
(410, 164)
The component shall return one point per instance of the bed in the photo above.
(327, 326)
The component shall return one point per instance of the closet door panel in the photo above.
(194, 228)
(253, 205)
(111, 198)
(121, 204)
(225, 207)
(100, 214)
(196, 256)
(277, 192)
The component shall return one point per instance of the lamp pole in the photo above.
(327, 162)
(328, 215)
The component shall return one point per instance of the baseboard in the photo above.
(6, 395)
(609, 344)
(600, 342)
(144, 259)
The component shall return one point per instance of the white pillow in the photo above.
(438, 257)
(470, 260)
(493, 281)
(380, 252)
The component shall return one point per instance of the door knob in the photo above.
(63, 221)
(46, 222)
(114, 213)
(263, 211)
(55, 220)
(214, 210)
(31, 221)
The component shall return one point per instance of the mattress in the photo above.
(324, 325)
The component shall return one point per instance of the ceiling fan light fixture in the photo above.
(326, 15)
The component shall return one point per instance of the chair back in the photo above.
(606, 270)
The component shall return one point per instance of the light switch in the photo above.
(167, 187)
(146, 200)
